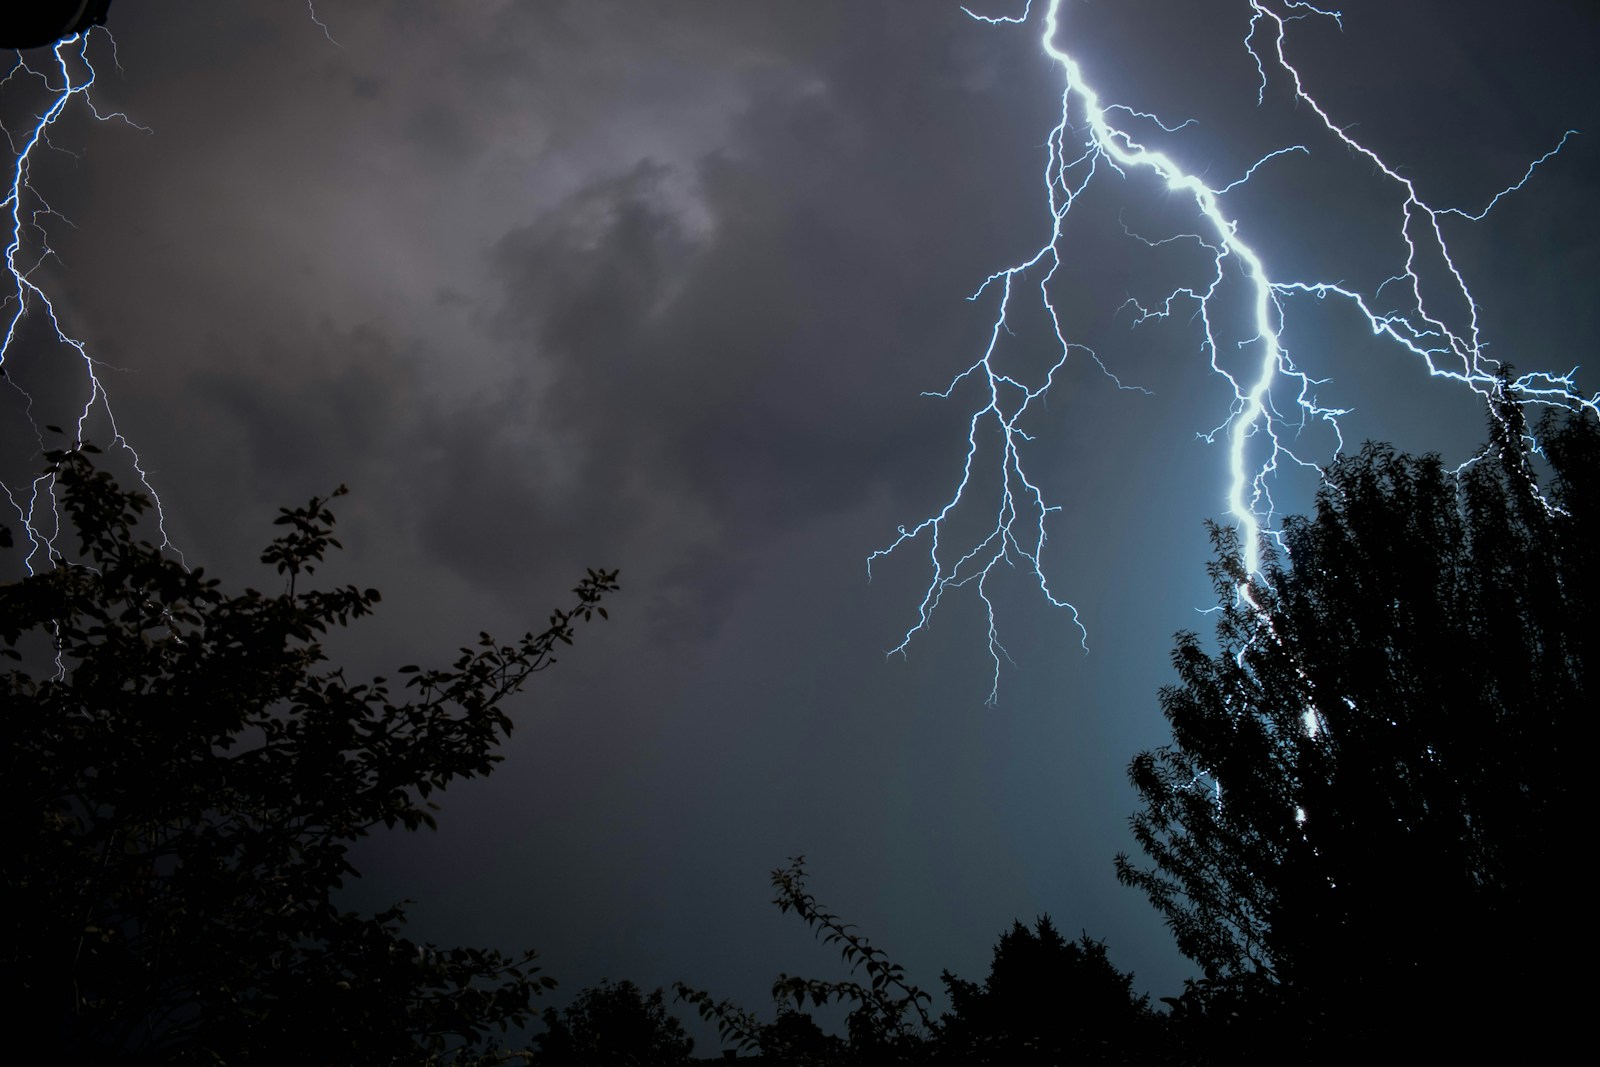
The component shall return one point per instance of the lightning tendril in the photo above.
(1272, 399)
(66, 81)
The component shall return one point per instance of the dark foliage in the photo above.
(1047, 1000)
(186, 774)
(795, 1038)
(1366, 826)
(887, 1023)
(613, 1025)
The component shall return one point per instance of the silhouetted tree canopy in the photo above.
(185, 774)
(613, 1025)
(795, 1038)
(1047, 1000)
(1366, 827)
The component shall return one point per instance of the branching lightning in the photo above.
(66, 80)
(1272, 399)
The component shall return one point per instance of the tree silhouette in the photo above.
(1047, 1000)
(613, 1025)
(1364, 827)
(795, 1038)
(186, 773)
(887, 1023)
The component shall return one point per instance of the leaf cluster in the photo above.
(188, 773)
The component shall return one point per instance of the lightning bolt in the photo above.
(311, 9)
(66, 82)
(1272, 399)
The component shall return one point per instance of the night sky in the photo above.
(658, 286)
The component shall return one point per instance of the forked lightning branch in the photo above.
(1094, 141)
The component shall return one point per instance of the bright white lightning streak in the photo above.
(67, 81)
(1254, 430)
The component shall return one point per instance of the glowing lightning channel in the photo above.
(66, 81)
(311, 8)
(1254, 430)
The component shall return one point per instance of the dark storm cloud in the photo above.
(720, 340)
(721, 275)
(336, 395)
